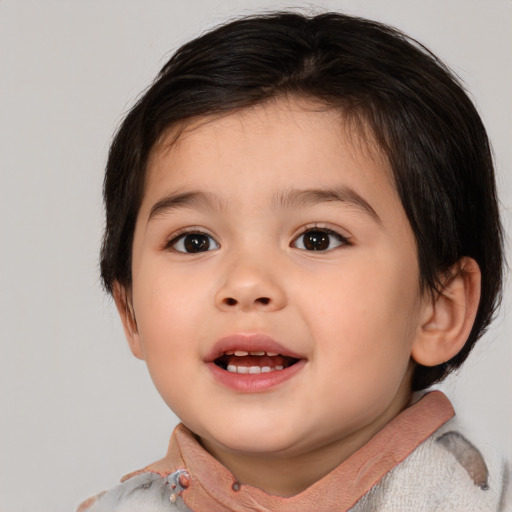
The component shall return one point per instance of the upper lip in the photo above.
(249, 342)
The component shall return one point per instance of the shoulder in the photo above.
(446, 473)
(144, 492)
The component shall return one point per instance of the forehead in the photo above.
(283, 119)
(284, 143)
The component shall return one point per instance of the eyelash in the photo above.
(181, 235)
(341, 240)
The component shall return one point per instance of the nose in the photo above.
(250, 286)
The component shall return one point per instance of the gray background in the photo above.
(77, 410)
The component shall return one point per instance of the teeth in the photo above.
(242, 353)
(252, 369)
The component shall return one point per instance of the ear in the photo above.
(123, 300)
(448, 317)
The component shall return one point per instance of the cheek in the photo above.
(168, 295)
(169, 351)
(169, 310)
(366, 316)
(364, 329)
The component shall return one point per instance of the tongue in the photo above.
(249, 361)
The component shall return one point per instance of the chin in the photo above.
(256, 441)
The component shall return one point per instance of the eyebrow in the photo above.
(290, 199)
(193, 199)
(311, 197)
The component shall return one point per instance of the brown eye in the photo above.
(319, 240)
(194, 243)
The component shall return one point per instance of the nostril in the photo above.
(260, 301)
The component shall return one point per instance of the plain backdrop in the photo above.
(77, 410)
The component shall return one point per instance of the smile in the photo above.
(252, 362)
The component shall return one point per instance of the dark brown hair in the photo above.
(416, 109)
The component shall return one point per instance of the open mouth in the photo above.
(254, 361)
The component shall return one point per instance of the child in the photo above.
(302, 230)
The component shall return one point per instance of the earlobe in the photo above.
(124, 306)
(449, 315)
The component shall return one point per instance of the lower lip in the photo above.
(254, 382)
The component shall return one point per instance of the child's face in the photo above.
(274, 230)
